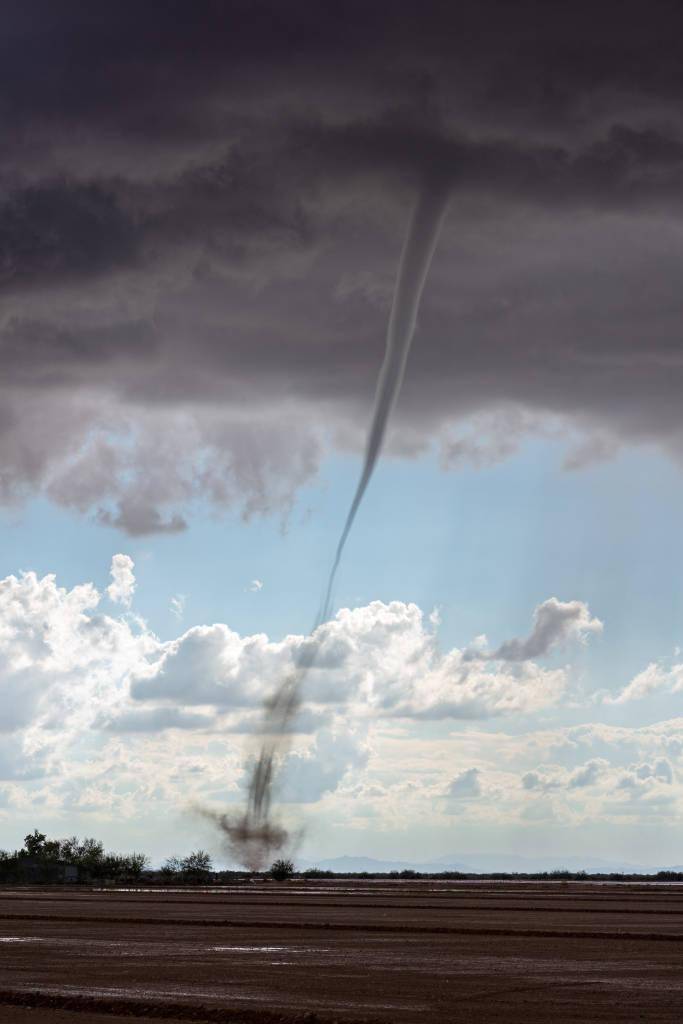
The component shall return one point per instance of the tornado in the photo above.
(253, 836)
(418, 249)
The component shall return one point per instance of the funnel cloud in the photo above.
(252, 836)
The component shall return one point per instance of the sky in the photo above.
(202, 210)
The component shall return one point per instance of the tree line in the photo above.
(39, 856)
(94, 863)
(88, 855)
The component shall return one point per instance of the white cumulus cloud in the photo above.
(122, 587)
(101, 716)
(381, 659)
(654, 678)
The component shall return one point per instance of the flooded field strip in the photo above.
(398, 889)
(383, 956)
(334, 896)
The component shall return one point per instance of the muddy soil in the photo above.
(403, 951)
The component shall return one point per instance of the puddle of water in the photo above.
(248, 949)
(309, 950)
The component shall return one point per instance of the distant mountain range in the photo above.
(483, 863)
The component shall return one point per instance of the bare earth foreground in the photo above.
(343, 950)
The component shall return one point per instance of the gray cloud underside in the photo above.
(200, 222)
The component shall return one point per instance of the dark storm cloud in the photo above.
(38, 351)
(56, 230)
(201, 210)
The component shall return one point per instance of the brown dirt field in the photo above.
(343, 951)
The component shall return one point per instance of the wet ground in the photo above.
(368, 951)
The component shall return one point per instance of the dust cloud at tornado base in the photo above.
(254, 835)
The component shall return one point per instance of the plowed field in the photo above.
(345, 951)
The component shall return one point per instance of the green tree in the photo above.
(35, 843)
(172, 866)
(196, 866)
(92, 858)
(281, 869)
(69, 849)
(88, 854)
(136, 863)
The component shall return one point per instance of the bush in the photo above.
(87, 854)
(281, 869)
(171, 867)
(196, 867)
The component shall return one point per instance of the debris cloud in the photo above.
(253, 836)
